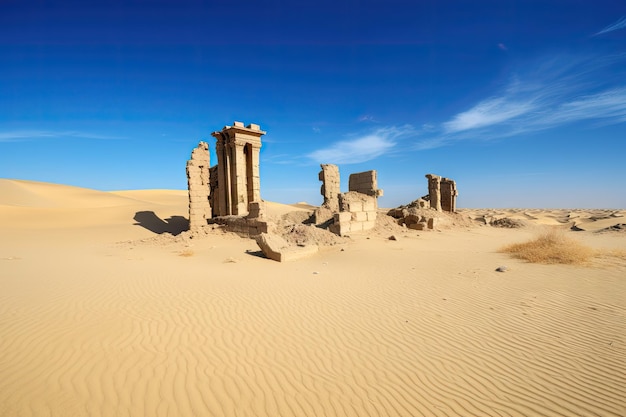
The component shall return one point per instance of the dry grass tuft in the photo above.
(551, 247)
(616, 254)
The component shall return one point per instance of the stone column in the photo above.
(329, 175)
(434, 191)
(256, 174)
(239, 180)
(223, 177)
(198, 187)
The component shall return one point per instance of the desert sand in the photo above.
(107, 309)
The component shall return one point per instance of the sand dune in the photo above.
(100, 315)
(582, 220)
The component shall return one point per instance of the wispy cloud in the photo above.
(34, 135)
(366, 118)
(362, 148)
(488, 112)
(551, 92)
(620, 24)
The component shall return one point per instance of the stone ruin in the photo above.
(198, 186)
(329, 175)
(442, 193)
(236, 181)
(354, 211)
(228, 193)
(418, 214)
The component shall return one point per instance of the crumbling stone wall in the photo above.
(434, 191)
(357, 213)
(329, 175)
(365, 183)
(448, 195)
(198, 186)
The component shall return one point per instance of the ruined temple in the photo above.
(442, 193)
(238, 181)
(232, 187)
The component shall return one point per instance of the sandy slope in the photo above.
(100, 315)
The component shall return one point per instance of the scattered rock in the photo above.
(509, 223)
(502, 268)
(393, 237)
(620, 227)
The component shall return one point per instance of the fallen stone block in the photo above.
(278, 249)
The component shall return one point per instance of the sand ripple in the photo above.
(390, 342)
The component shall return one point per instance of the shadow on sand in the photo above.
(174, 225)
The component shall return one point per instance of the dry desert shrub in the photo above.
(614, 254)
(551, 247)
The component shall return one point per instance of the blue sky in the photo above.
(523, 103)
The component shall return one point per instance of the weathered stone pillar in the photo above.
(255, 173)
(448, 195)
(223, 177)
(198, 187)
(434, 191)
(329, 175)
(238, 179)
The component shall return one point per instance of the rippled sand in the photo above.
(100, 318)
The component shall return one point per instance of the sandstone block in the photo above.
(276, 248)
(340, 229)
(368, 225)
(354, 206)
(343, 217)
(417, 226)
(369, 204)
(359, 216)
(356, 226)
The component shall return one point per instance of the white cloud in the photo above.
(607, 104)
(363, 148)
(557, 90)
(489, 112)
(620, 24)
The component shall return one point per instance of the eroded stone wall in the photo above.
(357, 213)
(448, 195)
(365, 183)
(329, 175)
(198, 186)
(434, 191)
